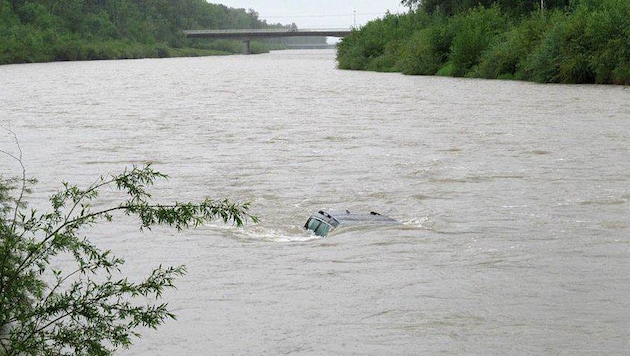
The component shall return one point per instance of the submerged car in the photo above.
(322, 223)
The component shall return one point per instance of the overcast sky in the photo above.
(317, 13)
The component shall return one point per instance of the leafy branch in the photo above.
(86, 310)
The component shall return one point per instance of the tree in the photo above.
(88, 308)
(49, 30)
(512, 7)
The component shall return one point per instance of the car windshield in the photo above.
(319, 227)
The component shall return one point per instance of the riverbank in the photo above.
(583, 43)
(45, 31)
(81, 51)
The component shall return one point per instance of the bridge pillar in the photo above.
(246, 47)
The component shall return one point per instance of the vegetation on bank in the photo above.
(52, 30)
(62, 295)
(578, 41)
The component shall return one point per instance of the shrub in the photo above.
(88, 308)
(586, 42)
(428, 48)
(543, 63)
(506, 55)
(419, 55)
(475, 31)
(608, 32)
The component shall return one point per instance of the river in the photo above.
(513, 197)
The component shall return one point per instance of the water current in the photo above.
(514, 201)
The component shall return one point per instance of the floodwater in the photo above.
(514, 201)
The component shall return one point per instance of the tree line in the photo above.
(52, 30)
(513, 7)
(553, 41)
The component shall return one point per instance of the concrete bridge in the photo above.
(248, 35)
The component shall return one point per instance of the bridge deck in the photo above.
(266, 33)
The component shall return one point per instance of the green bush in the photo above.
(419, 55)
(543, 64)
(383, 63)
(621, 74)
(350, 53)
(608, 32)
(475, 31)
(87, 306)
(506, 55)
(428, 48)
(587, 42)
(501, 59)
(377, 45)
(447, 70)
